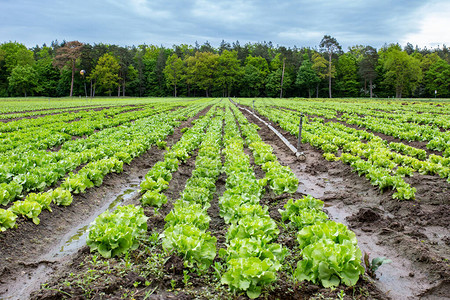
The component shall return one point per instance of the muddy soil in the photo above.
(413, 234)
(25, 250)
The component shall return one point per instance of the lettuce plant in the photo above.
(330, 264)
(61, 197)
(337, 232)
(116, 233)
(262, 228)
(7, 219)
(153, 198)
(9, 192)
(194, 245)
(253, 247)
(293, 207)
(29, 209)
(249, 274)
(149, 184)
(308, 217)
(44, 199)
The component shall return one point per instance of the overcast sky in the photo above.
(288, 23)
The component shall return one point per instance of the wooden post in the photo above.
(282, 78)
(300, 133)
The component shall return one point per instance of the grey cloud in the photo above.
(288, 23)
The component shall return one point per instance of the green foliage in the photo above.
(44, 199)
(250, 274)
(106, 72)
(263, 228)
(9, 192)
(372, 266)
(253, 247)
(294, 208)
(174, 71)
(306, 76)
(153, 198)
(281, 179)
(24, 79)
(61, 197)
(116, 233)
(194, 245)
(149, 184)
(330, 230)
(7, 219)
(330, 264)
(402, 71)
(29, 209)
(188, 213)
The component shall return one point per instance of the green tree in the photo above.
(437, 78)
(306, 76)
(273, 84)
(12, 54)
(48, 75)
(347, 75)
(367, 68)
(205, 70)
(189, 73)
(320, 66)
(23, 79)
(106, 73)
(174, 71)
(68, 55)
(228, 70)
(255, 76)
(330, 46)
(403, 72)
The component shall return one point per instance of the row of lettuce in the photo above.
(102, 153)
(252, 257)
(405, 118)
(30, 167)
(416, 125)
(384, 164)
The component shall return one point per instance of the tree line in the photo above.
(251, 70)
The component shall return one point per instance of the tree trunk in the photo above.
(123, 88)
(317, 91)
(398, 92)
(73, 76)
(175, 90)
(118, 90)
(90, 94)
(282, 78)
(370, 87)
(93, 95)
(329, 70)
(365, 86)
(309, 93)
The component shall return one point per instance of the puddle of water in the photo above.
(76, 239)
(70, 244)
(394, 279)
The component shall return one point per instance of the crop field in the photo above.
(167, 198)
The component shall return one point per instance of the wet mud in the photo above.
(413, 234)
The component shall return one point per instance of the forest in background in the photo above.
(251, 70)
